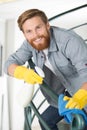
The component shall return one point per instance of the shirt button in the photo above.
(42, 56)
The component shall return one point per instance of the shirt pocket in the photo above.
(68, 70)
(65, 65)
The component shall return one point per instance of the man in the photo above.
(64, 52)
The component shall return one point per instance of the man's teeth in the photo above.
(37, 39)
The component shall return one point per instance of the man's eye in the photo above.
(38, 27)
(28, 31)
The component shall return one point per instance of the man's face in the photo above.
(37, 33)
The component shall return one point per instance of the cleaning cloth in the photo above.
(68, 113)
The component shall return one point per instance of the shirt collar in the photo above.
(53, 45)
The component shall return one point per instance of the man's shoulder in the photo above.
(62, 31)
(63, 34)
(58, 29)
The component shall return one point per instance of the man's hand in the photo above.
(78, 101)
(28, 75)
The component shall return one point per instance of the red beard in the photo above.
(43, 45)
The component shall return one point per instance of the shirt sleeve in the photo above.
(22, 55)
(76, 51)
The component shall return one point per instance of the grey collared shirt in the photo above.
(67, 53)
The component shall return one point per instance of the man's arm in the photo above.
(76, 51)
(84, 86)
(22, 72)
(11, 69)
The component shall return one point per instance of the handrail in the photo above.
(38, 115)
(75, 27)
(69, 11)
(78, 122)
(66, 12)
(78, 26)
(38, 109)
(76, 118)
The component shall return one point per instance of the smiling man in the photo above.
(62, 51)
(37, 33)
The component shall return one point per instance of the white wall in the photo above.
(14, 39)
(4, 111)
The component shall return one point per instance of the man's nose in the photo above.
(35, 34)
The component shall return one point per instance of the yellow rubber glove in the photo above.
(78, 101)
(28, 75)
